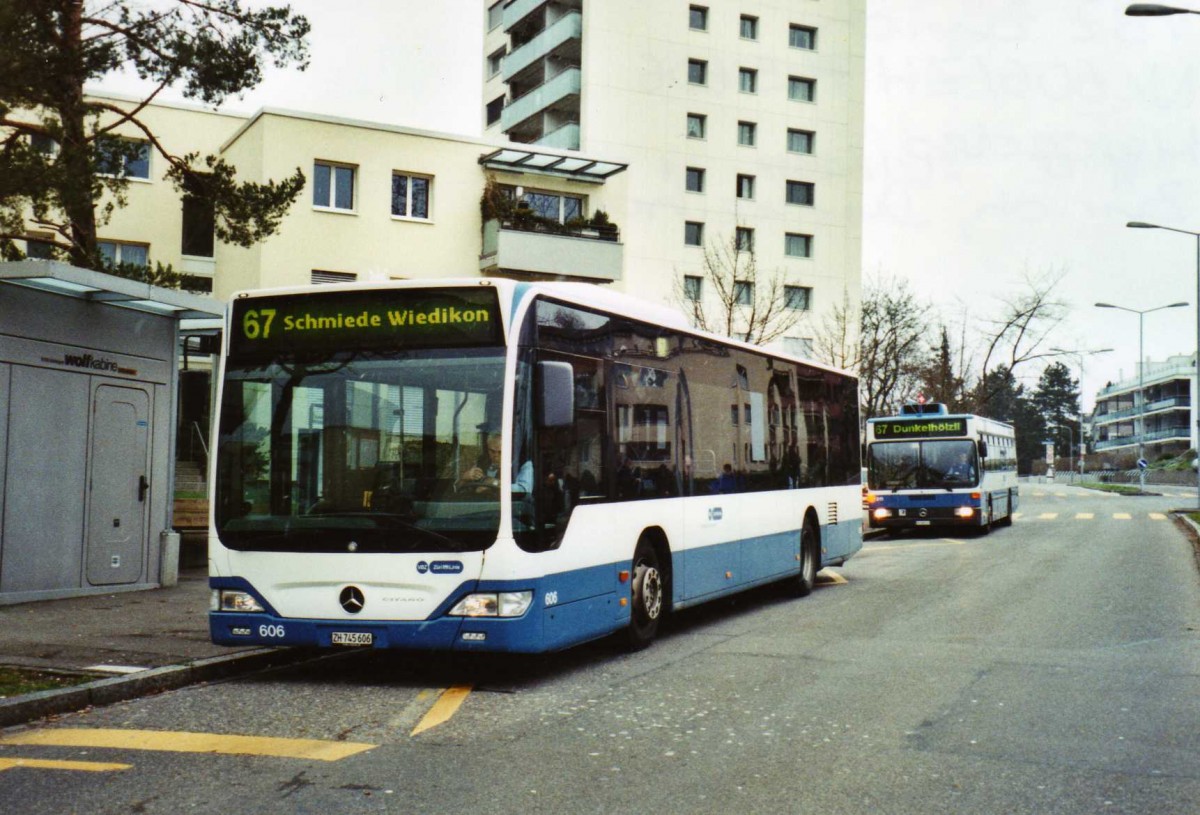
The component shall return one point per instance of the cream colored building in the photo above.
(731, 116)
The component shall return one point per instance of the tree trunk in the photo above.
(77, 200)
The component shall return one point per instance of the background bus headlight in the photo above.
(964, 512)
(232, 600)
(881, 513)
(493, 604)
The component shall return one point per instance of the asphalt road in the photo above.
(1052, 667)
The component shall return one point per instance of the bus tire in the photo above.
(1007, 520)
(648, 596)
(802, 584)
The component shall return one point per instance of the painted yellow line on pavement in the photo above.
(1047, 516)
(1017, 516)
(1157, 516)
(446, 706)
(1122, 516)
(76, 766)
(1084, 516)
(182, 742)
(942, 542)
(830, 579)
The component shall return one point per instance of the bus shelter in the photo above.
(88, 397)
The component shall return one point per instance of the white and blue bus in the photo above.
(503, 466)
(927, 468)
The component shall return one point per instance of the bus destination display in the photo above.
(920, 428)
(365, 320)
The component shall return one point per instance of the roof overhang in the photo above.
(98, 287)
(577, 168)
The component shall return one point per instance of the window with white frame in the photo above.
(127, 158)
(743, 239)
(747, 80)
(693, 287)
(494, 109)
(743, 292)
(798, 346)
(333, 186)
(495, 14)
(698, 18)
(747, 134)
(693, 233)
(553, 206)
(745, 186)
(39, 250)
(748, 27)
(801, 192)
(697, 72)
(494, 61)
(695, 179)
(800, 141)
(802, 89)
(798, 298)
(410, 195)
(802, 36)
(696, 125)
(796, 245)
(119, 252)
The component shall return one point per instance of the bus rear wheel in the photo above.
(648, 597)
(803, 583)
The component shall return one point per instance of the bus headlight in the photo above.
(493, 604)
(233, 600)
(882, 513)
(964, 512)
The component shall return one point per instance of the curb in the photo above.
(30, 706)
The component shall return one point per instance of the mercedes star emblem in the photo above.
(352, 599)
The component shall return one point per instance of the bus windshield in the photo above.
(902, 465)
(359, 451)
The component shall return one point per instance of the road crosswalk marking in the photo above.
(1087, 516)
(1047, 516)
(1122, 516)
(77, 766)
(1157, 516)
(182, 742)
(1084, 516)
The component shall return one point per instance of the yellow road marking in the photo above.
(446, 706)
(1017, 516)
(180, 742)
(1060, 495)
(830, 579)
(1157, 516)
(1122, 516)
(1047, 516)
(942, 542)
(1084, 516)
(78, 766)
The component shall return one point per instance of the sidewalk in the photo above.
(135, 643)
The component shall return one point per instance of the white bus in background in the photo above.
(491, 465)
(928, 468)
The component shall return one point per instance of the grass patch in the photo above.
(1120, 489)
(17, 681)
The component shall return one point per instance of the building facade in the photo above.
(1155, 409)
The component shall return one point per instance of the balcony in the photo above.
(567, 30)
(589, 253)
(1177, 402)
(561, 89)
(563, 138)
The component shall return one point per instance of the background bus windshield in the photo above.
(900, 465)
(359, 451)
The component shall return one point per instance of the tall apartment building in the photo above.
(1155, 409)
(741, 123)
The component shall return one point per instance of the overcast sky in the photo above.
(1003, 138)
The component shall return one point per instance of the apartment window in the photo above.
(797, 246)
(802, 36)
(801, 89)
(695, 179)
(800, 192)
(697, 72)
(495, 14)
(745, 186)
(743, 292)
(798, 298)
(123, 157)
(743, 238)
(799, 346)
(748, 28)
(552, 206)
(42, 143)
(698, 18)
(39, 250)
(747, 133)
(494, 109)
(693, 286)
(333, 186)
(494, 61)
(199, 220)
(800, 141)
(696, 123)
(747, 80)
(693, 233)
(131, 254)
(410, 195)
(319, 277)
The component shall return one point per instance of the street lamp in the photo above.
(1078, 355)
(1196, 381)
(1141, 395)
(1155, 10)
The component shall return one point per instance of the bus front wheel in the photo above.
(803, 583)
(647, 596)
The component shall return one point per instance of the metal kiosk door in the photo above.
(118, 485)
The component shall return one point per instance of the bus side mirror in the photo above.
(983, 449)
(556, 394)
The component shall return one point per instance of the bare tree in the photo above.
(735, 298)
